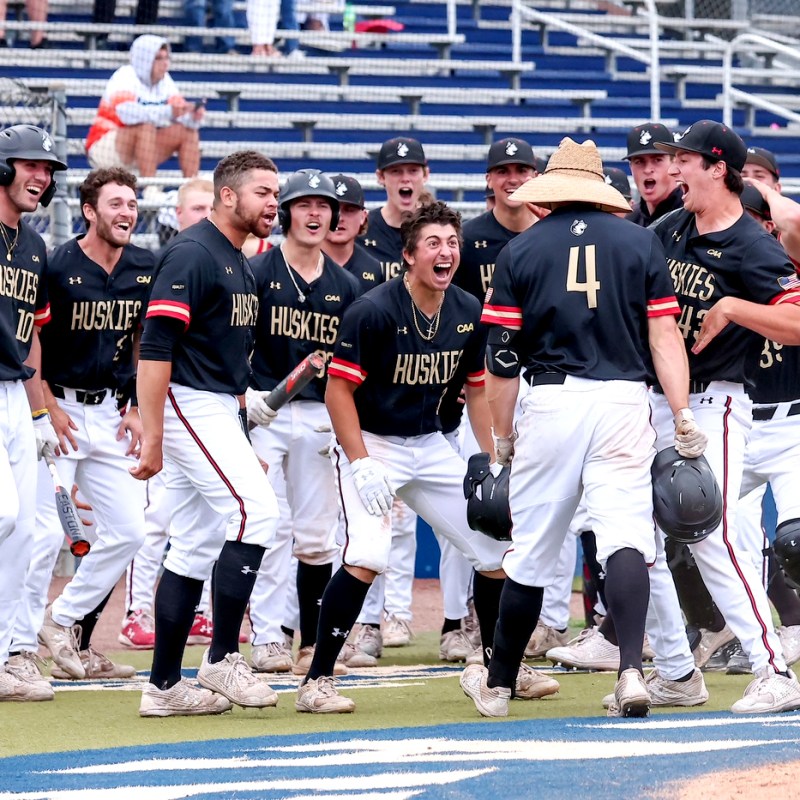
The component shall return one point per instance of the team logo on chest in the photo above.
(578, 227)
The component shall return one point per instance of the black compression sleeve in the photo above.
(159, 338)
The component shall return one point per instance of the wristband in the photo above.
(39, 413)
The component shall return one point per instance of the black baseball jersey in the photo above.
(773, 376)
(364, 268)
(89, 341)
(289, 329)
(204, 283)
(641, 216)
(384, 242)
(742, 261)
(23, 301)
(400, 376)
(580, 286)
(484, 238)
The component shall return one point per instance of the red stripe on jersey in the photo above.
(476, 378)
(792, 296)
(42, 316)
(345, 369)
(663, 306)
(169, 308)
(507, 316)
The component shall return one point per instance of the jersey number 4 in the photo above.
(590, 286)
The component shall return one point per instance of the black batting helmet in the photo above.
(488, 510)
(307, 183)
(787, 550)
(687, 502)
(32, 144)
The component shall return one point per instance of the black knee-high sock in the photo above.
(695, 599)
(783, 597)
(486, 594)
(341, 605)
(520, 607)
(628, 592)
(311, 582)
(176, 599)
(89, 621)
(234, 577)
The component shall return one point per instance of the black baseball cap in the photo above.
(764, 158)
(619, 180)
(402, 150)
(715, 141)
(510, 151)
(754, 201)
(348, 190)
(541, 164)
(642, 139)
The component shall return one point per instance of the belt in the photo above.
(695, 387)
(545, 378)
(81, 396)
(765, 413)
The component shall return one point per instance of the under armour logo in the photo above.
(481, 243)
(676, 236)
(339, 633)
(370, 242)
(76, 280)
(275, 285)
(716, 151)
(708, 400)
(402, 149)
(511, 148)
(248, 570)
(404, 329)
(645, 137)
(313, 181)
(229, 270)
(341, 189)
(578, 227)
(47, 142)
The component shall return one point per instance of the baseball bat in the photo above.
(79, 545)
(294, 382)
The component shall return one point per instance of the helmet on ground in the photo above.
(687, 502)
(30, 143)
(307, 183)
(488, 509)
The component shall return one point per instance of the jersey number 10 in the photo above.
(591, 286)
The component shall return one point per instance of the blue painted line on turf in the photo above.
(599, 758)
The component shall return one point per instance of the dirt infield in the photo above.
(766, 783)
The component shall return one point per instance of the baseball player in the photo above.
(97, 284)
(736, 286)
(658, 193)
(402, 170)
(193, 369)
(584, 304)
(399, 347)
(302, 295)
(194, 201)
(27, 167)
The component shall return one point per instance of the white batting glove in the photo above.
(258, 412)
(45, 435)
(690, 441)
(373, 486)
(504, 448)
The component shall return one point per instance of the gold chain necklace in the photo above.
(433, 327)
(8, 243)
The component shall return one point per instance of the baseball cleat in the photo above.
(370, 640)
(710, 642)
(790, 642)
(62, 642)
(27, 666)
(545, 638)
(233, 678)
(321, 696)
(531, 685)
(397, 632)
(181, 700)
(14, 689)
(304, 657)
(664, 692)
(352, 656)
(589, 650)
(271, 657)
(202, 629)
(769, 693)
(738, 663)
(490, 702)
(631, 698)
(454, 646)
(96, 666)
(138, 632)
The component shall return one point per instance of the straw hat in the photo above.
(574, 174)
